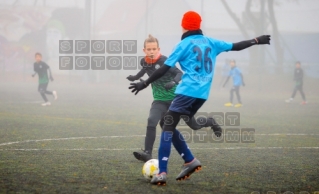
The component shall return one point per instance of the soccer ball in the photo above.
(150, 169)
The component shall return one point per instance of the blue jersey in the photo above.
(196, 55)
(235, 73)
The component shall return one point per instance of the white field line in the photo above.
(68, 138)
(130, 136)
(130, 149)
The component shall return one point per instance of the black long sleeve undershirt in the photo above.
(178, 74)
(163, 69)
(157, 74)
(140, 74)
(243, 44)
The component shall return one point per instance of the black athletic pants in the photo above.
(300, 89)
(236, 90)
(43, 91)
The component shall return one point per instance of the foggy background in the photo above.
(31, 26)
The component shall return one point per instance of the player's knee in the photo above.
(168, 128)
(152, 122)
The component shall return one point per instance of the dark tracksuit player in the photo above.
(41, 68)
(298, 78)
(163, 93)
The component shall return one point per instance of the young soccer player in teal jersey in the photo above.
(196, 55)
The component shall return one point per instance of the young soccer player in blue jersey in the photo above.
(196, 55)
(238, 80)
(163, 92)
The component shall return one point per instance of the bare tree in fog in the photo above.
(275, 33)
(258, 25)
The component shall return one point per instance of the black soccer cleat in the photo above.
(143, 155)
(189, 169)
(217, 130)
(215, 127)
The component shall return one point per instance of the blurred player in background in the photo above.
(238, 80)
(196, 55)
(298, 78)
(42, 69)
(163, 93)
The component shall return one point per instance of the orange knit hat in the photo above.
(191, 21)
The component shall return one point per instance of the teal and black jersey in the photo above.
(158, 86)
(41, 68)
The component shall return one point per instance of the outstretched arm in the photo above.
(265, 39)
(178, 75)
(157, 74)
(136, 87)
(137, 76)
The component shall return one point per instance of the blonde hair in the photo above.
(151, 39)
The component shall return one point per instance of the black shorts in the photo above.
(186, 105)
(42, 87)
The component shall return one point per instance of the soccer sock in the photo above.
(181, 147)
(164, 150)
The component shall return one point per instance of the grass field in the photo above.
(83, 143)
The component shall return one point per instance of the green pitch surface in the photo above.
(83, 143)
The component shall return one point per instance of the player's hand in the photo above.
(264, 39)
(169, 85)
(33, 75)
(51, 78)
(136, 87)
(131, 78)
(244, 84)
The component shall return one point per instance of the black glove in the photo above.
(264, 39)
(136, 87)
(51, 78)
(131, 78)
(33, 75)
(244, 84)
(169, 85)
